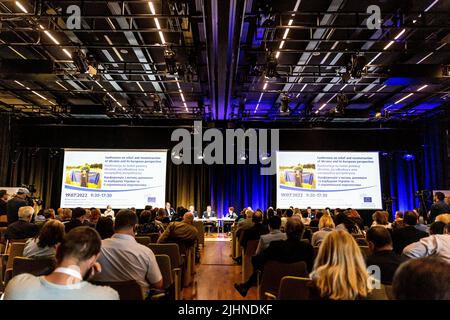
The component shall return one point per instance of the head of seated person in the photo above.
(105, 227)
(145, 216)
(126, 222)
(257, 216)
(422, 279)
(188, 218)
(326, 222)
(26, 213)
(410, 218)
(437, 227)
(249, 214)
(294, 228)
(289, 213)
(49, 214)
(51, 234)
(274, 223)
(79, 214)
(443, 217)
(379, 239)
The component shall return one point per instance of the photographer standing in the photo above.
(15, 203)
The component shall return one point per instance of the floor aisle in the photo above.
(216, 275)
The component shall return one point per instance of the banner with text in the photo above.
(328, 179)
(122, 179)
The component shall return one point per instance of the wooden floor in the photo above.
(216, 274)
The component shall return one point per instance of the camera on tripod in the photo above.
(31, 198)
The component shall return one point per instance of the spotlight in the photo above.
(342, 103)
(85, 64)
(408, 157)
(169, 57)
(271, 65)
(284, 105)
(243, 156)
(358, 64)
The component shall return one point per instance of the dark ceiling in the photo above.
(243, 60)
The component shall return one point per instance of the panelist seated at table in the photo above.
(209, 213)
(192, 210)
(231, 214)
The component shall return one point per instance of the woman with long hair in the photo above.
(339, 271)
(326, 225)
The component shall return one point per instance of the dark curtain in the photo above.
(187, 185)
(5, 140)
(241, 186)
(41, 168)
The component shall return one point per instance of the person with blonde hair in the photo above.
(66, 215)
(326, 225)
(339, 271)
(444, 217)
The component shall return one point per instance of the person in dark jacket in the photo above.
(438, 207)
(382, 253)
(408, 234)
(3, 201)
(255, 232)
(78, 218)
(22, 228)
(14, 204)
(285, 251)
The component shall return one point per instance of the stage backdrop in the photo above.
(38, 161)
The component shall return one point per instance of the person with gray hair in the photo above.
(23, 228)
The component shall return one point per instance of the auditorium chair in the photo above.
(201, 232)
(294, 288)
(128, 290)
(173, 251)
(274, 271)
(247, 254)
(144, 240)
(189, 266)
(15, 250)
(153, 236)
(37, 267)
(165, 267)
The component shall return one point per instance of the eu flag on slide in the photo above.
(367, 199)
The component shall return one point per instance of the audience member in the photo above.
(339, 271)
(254, 232)
(122, 258)
(147, 223)
(44, 245)
(398, 222)
(288, 251)
(93, 218)
(326, 225)
(23, 228)
(182, 232)
(76, 258)
(77, 220)
(109, 212)
(382, 253)
(245, 224)
(422, 279)
(274, 235)
(381, 218)
(286, 215)
(354, 216)
(306, 220)
(15, 203)
(315, 222)
(66, 215)
(3, 200)
(343, 222)
(438, 207)
(444, 217)
(408, 234)
(434, 245)
(105, 227)
(49, 214)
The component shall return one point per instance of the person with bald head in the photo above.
(182, 232)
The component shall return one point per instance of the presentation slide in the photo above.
(120, 178)
(328, 179)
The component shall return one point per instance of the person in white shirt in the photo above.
(123, 259)
(109, 212)
(434, 245)
(76, 260)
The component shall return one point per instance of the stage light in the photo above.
(284, 105)
(408, 157)
(271, 65)
(358, 64)
(169, 57)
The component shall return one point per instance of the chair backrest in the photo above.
(365, 250)
(201, 231)
(4, 218)
(128, 290)
(37, 267)
(144, 240)
(274, 271)
(294, 288)
(165, 267)
(389, 292)
(252, 245)
(15, 250)
(170, 249)
(153, 237)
